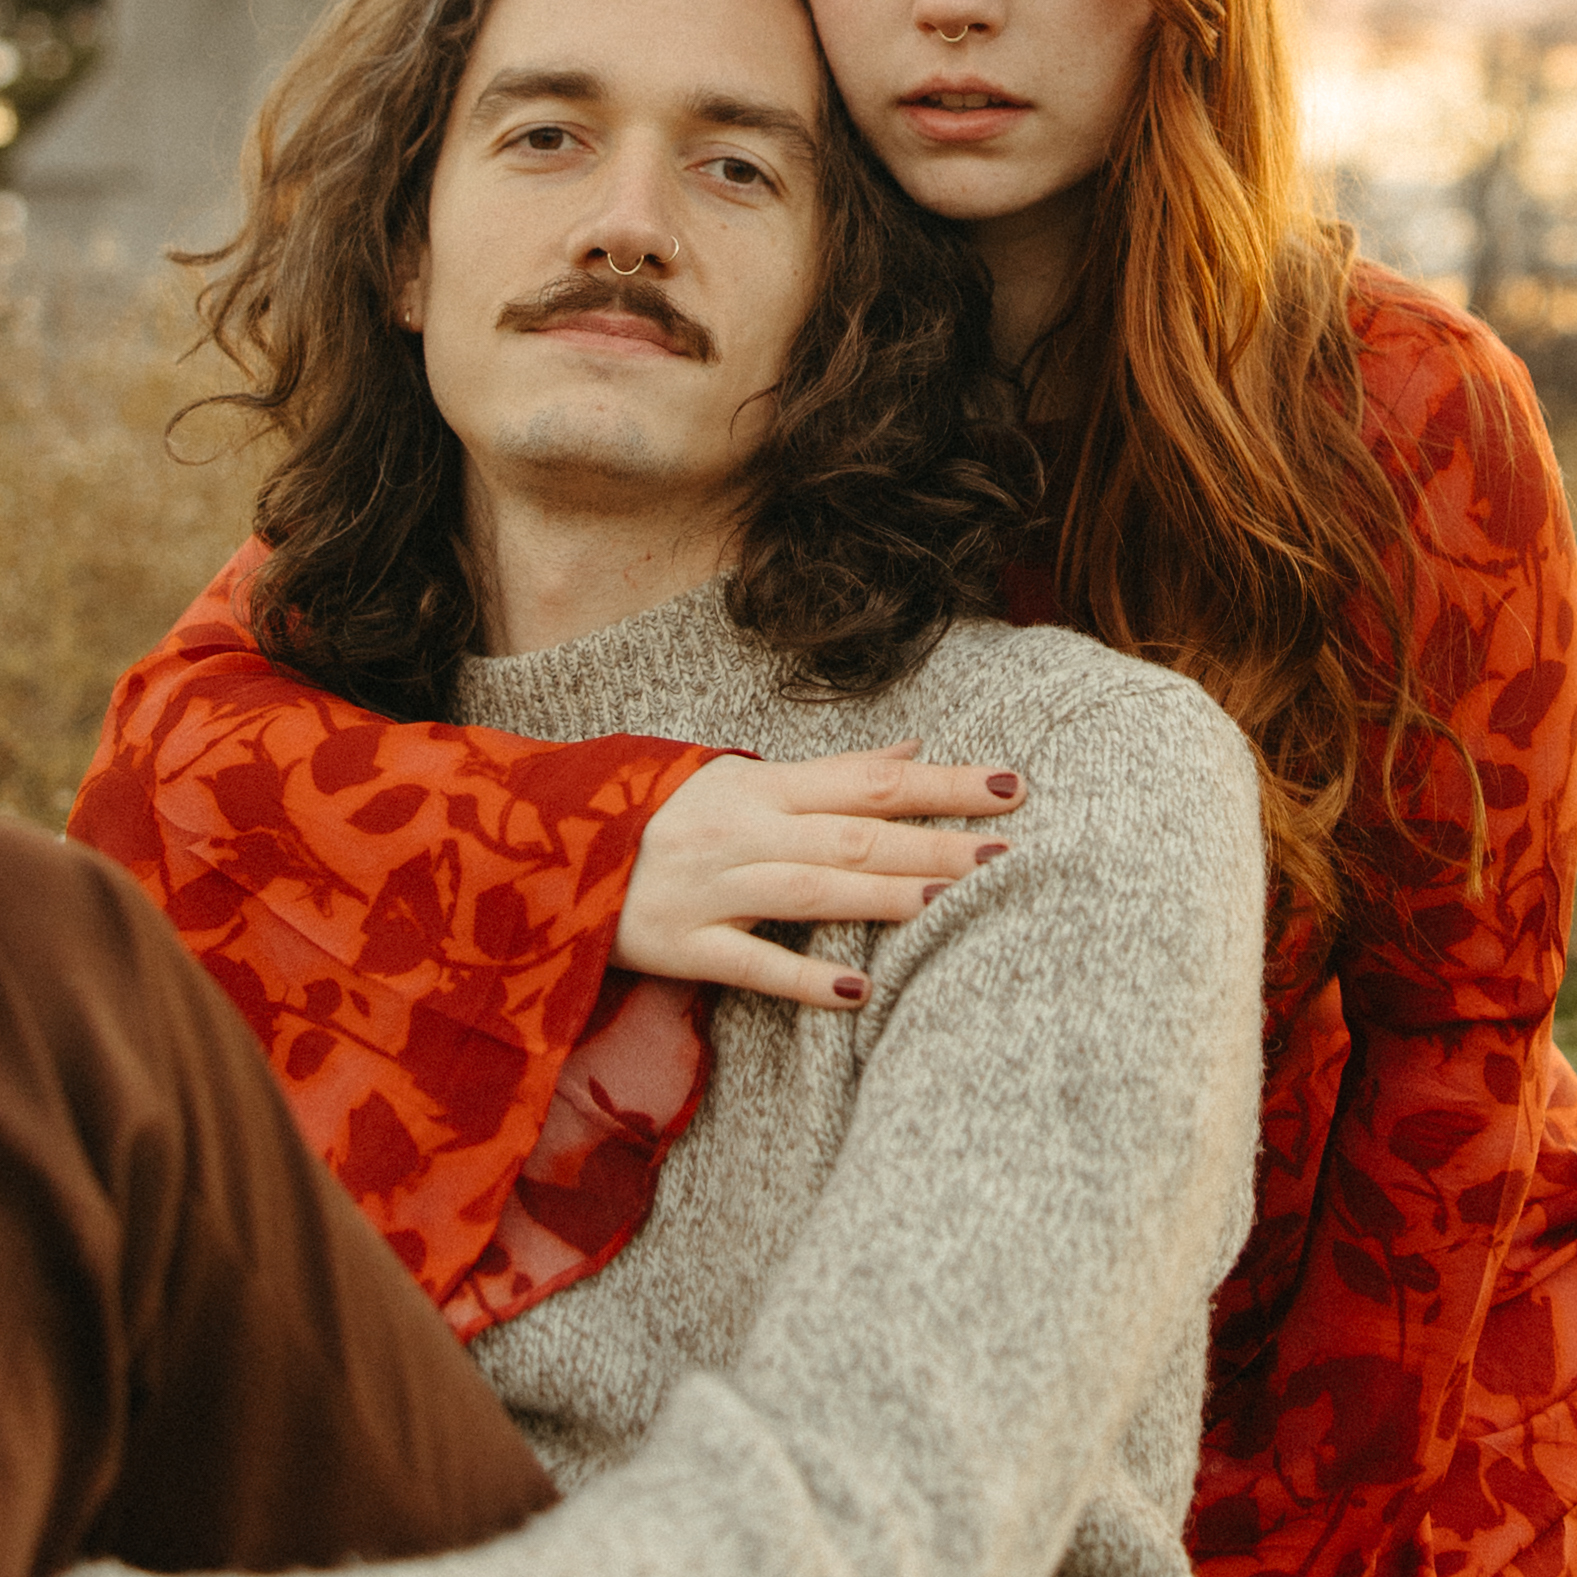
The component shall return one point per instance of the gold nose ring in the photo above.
(641, 260)
(954, 38)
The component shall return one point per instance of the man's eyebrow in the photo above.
(721, 109)
(511, 86)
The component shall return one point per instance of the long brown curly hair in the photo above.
(1212, 504)
(878, 505)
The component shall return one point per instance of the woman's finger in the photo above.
(750, 963)
(777, 891)
(865, 843)
(877, 784)
(747, 840)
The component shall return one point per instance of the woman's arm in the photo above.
(389, 906)
(1049, 1166)
(1437, 1177)
(392, 904)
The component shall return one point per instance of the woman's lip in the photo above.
(935, 87)
(940, 125)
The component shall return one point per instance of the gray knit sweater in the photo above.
(925, 1287)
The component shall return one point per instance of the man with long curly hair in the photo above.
(620, 397)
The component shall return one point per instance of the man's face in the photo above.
(589, 135)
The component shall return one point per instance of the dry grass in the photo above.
(1563, 429)
(104, 538)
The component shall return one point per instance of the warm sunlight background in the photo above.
(1448, 133)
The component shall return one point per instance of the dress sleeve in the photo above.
(414, 918)
(1332, 1450)
(1049, 1165)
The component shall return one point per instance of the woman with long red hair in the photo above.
(1319, 491)
(1329, 498)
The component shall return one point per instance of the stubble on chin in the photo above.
(563, 449)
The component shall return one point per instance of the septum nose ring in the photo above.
(640, 262)
(954, 38)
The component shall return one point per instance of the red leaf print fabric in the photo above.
(1396, 1352)
(415, 919)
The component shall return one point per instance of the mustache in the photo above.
(583, 292)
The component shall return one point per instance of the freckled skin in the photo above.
(1073, 61)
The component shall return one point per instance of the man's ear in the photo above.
(410, 298)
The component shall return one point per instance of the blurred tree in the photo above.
(1522, 197)
(46, 48)
(1452, 126)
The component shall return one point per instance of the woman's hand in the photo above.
(744, 841)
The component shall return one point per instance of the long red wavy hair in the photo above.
(1214, 507)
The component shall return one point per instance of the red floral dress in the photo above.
(415, 918)
(1395, 1381)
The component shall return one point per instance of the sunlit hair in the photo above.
(875, 515)
(1217, 509)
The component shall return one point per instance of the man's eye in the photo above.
(546, 139)
(740, 172)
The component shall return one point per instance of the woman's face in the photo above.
(1021, 108)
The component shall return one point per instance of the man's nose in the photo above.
(633, 222)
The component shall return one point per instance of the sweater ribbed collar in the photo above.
(626, 678)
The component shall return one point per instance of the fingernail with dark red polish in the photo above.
(850, 987)
(1003, 784)
(989, 851)
(935, 890)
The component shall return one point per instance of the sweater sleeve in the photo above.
(414, 918)
(1409, 1316)
(1048, 1168)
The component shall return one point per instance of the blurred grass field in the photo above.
(104, 537)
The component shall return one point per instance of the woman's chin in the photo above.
(977, 191)
(962, 196)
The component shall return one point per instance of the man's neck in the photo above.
(562, 568)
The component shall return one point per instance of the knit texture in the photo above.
(924, 1287)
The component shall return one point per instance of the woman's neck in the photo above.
(1032, 256)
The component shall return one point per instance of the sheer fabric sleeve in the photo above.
(414, 918)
